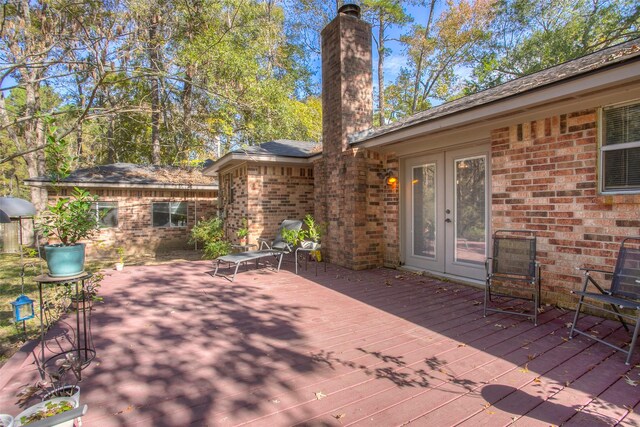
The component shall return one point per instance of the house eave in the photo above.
(233, 159)
(573, 88)
(121, 185)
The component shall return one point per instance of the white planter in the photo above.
(6, 420)
(71, 392)
(38, 406)
(119, 266)
(308, 244)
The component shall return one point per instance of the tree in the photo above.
(384, 14)
(528, 36)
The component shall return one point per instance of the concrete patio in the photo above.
(177, 347)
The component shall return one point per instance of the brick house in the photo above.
(265, 184)
(145, 209)
(557, 152)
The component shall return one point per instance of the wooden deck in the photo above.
(377, 348)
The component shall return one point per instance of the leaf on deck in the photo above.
(320, 395)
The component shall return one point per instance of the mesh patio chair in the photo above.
(513, 265)
(621, 300)
(278, 243)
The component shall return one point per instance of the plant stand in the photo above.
(309, 249)
(81, 340)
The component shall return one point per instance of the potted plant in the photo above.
(56, 396)
(88, 295)
(311, 237)
(120, 264)
(243, 232)
(69, 220)
(46, 409)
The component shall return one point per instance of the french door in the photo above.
(446, 198)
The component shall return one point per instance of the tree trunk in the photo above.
(155, 90)
(381, 70)
(416, 82)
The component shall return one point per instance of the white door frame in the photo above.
(444, 262)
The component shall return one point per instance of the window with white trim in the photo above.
(106, 213)
(620, 149)
(169, 214)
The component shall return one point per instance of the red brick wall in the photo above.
(276, 193)
(135, 231)
(544, 178)
(234, 200)
(265, 194)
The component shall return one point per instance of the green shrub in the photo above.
(210, 234)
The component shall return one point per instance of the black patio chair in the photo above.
(514, 267)
(623, 295)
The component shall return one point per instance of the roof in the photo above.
(280, 150)
(128, 174)
(629, 51)
(284, 148)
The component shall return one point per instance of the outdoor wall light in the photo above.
(388, 176)
(23, 308)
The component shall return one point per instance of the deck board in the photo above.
(378, 347)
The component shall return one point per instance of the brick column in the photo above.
(347, 108)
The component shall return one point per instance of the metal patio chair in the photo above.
(279, 243)
(514, 266)
(621, 300)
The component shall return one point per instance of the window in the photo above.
(620, 148)
(106, 213)
(169, 214)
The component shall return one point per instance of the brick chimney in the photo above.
(347, 80)
(347, 108)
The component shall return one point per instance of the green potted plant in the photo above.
(311, 236)
(243, 232)
(55, 395)
(69, 220)
(120, 264)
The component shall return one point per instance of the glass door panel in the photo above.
(470, 205)
(423, 189)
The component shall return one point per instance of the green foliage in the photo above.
(70, 219)
(293, 237)
(49, 410)
(314, 230)
(528, 35)
(120, 250)
(210, 233)
(243, 231)
(58, 158)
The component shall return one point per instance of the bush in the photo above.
(210, 234)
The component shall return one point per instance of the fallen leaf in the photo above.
(565, 339)
(275, 401)
(477, 302)
(531, 356)
(462, 345)
(525, 368)
(388, 283)
(566, 383)
(320, 395)
(568, 324)
(400, 277)
(628, 408)
(631, 382)
(339, 416)
(537, 380)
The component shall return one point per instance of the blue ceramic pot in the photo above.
(65, 261)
